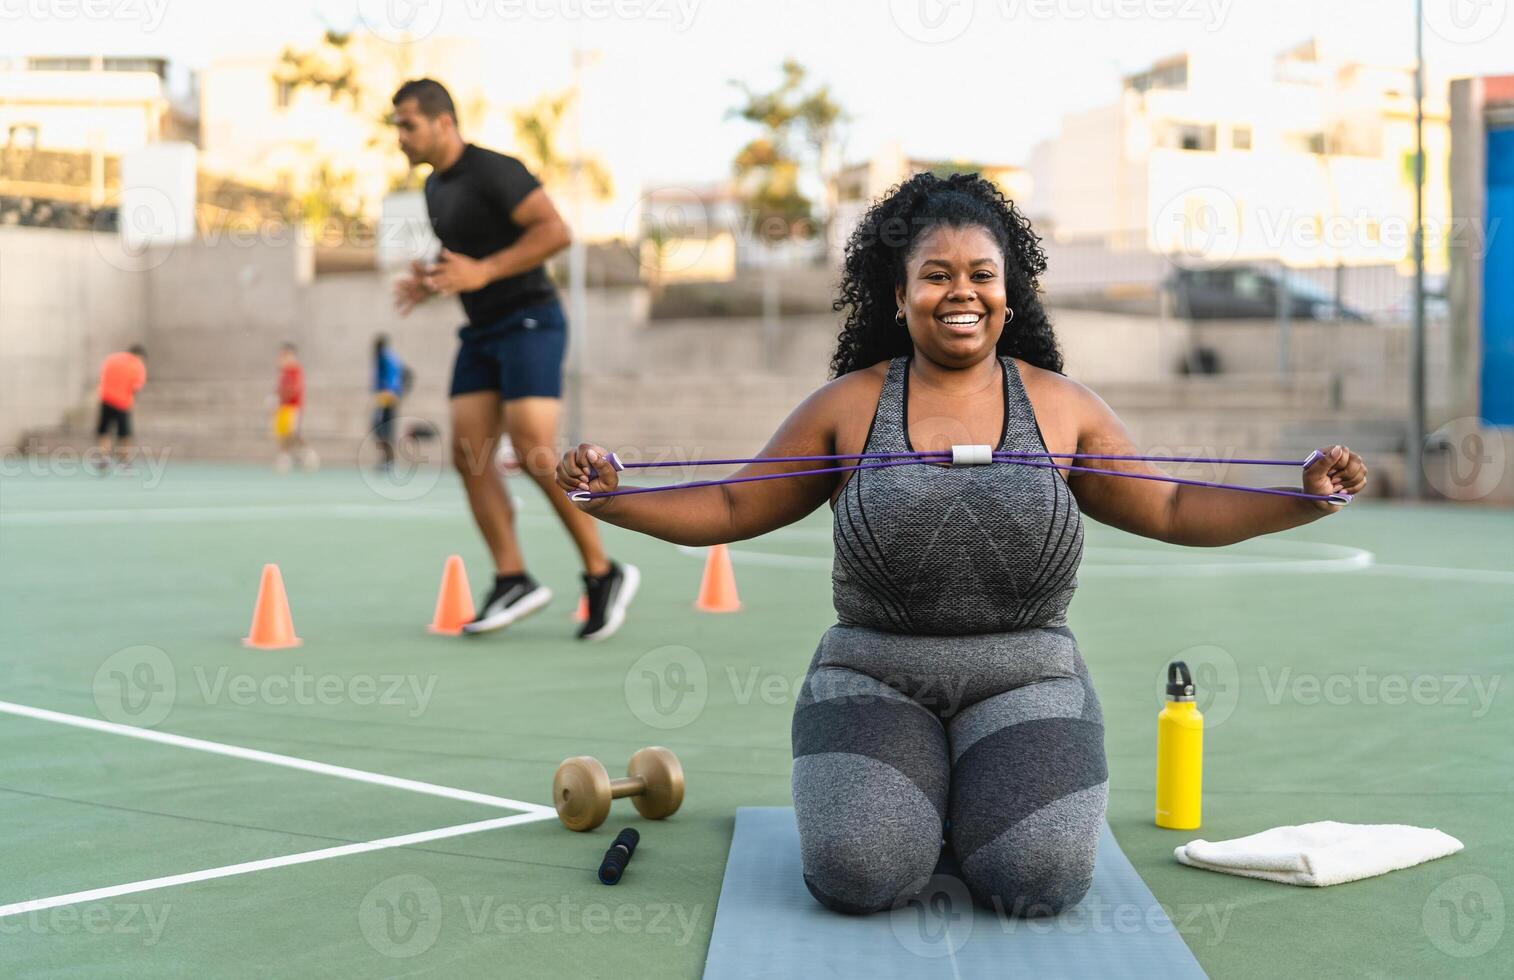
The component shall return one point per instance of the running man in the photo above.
(497, 227)
(286, 417)
(122, 375)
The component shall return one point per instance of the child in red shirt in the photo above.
(286, 417)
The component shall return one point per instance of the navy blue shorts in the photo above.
(520, 356)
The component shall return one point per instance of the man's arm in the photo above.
(544, 235)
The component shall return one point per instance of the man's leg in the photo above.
(475, 435)
(532, 427)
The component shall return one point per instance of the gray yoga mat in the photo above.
(768, 924)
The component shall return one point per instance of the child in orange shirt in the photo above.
(122, 375)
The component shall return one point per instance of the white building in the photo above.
(1301, 156)
(83, 104)
(856, 187)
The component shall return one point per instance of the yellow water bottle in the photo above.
(1180, 753)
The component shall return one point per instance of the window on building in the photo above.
(1191, 136)
(1240, 138)
(1306, 142)
(285, 93)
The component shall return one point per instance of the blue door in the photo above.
(1498, 283)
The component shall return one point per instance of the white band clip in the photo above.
(972, 455)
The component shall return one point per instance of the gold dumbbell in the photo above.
(582, 789)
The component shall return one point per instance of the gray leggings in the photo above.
(994, 740)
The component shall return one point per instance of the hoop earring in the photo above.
(899, 317)
(1009, 315)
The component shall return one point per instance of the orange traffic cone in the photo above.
(581, 614)
(272, 626)
(717, 589)
(454, 602)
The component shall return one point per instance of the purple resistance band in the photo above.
(944, 456)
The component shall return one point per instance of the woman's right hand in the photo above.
(587, 469)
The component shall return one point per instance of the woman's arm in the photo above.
(1189, 515)
(714, 515)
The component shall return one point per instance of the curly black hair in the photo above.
(880, 245)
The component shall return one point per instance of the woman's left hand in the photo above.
(1337, 470)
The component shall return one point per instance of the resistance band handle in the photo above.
(618, 856)
(1334, 498)
(972, 455)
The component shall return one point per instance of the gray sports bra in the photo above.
(955, 550)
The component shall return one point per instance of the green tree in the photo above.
(538, 131)
(800, 130)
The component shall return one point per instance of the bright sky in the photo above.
(969, 79)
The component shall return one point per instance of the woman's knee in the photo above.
(858, 875)
(1040, 867)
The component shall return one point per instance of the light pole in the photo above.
(1414, 458)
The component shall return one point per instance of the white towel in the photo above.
(1322, 853)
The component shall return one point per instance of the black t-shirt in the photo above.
(470, 205)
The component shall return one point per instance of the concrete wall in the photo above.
(66, 300)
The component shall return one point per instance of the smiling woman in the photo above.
(949, 577)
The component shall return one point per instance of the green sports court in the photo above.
(1353, 670)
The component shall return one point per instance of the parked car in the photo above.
(1241, 292)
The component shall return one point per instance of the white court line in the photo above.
(201, 515)
(1490, 576)
(272, 758)
(344, 850)
(1337, 558)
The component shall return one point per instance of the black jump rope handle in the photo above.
(618, 856)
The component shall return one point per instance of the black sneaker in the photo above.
(608, 596)
(514, 597)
